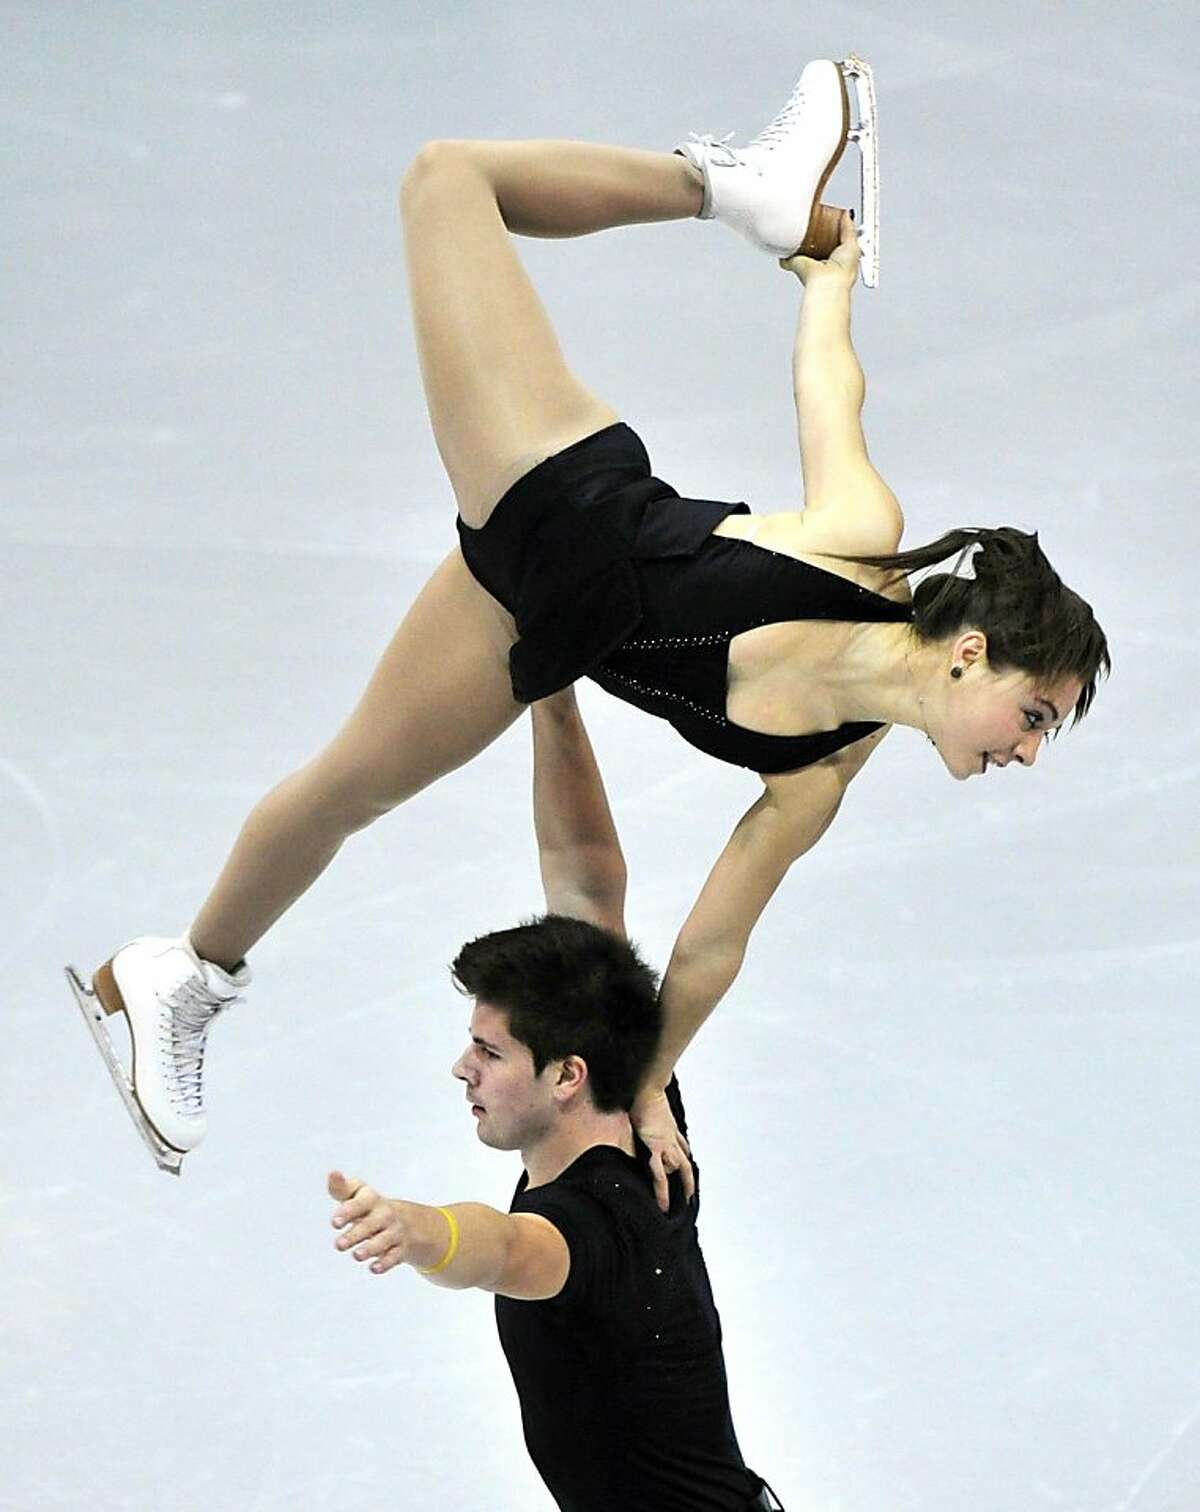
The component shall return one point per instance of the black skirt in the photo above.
(558, 551)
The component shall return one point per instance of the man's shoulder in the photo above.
(595, 1174)
(605, 1195)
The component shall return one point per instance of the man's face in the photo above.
(513, 1109)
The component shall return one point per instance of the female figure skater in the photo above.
(788, 643)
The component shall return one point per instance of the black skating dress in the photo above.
(609, 574)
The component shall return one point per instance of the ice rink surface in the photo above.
(947, 1115)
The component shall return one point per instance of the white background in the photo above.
(946, 1117)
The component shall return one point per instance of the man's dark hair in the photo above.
(570, 988)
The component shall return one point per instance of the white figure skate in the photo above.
(169, 998)
(770, 190)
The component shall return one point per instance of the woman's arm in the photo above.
(791, 816)
(829, 388)
(789, 819)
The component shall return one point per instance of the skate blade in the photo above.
(865, 136)
(165, 1158)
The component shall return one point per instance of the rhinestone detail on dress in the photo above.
(641, 687)
(673, 643)
(676, 642)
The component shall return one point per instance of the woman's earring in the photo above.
(956, 672)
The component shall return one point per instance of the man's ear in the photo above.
(572, 1078)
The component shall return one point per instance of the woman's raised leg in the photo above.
(501, 398)
(498, 392)
(500, 395)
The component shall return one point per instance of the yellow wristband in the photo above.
(451, 1248)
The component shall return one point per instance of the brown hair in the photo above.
(1032, 620)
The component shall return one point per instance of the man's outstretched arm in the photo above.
(464, 1245)
(583, 869)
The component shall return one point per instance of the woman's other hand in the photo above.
(841, 264)
(651, 1116)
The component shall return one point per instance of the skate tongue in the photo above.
(216, 977)
(715, 149)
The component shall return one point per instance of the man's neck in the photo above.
(550, 1156)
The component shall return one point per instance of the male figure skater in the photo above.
(603, 1301)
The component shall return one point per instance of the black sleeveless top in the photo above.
(676, 664)
(610, 574)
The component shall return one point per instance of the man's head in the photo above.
(566, 1016)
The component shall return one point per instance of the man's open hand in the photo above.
(376, 1228)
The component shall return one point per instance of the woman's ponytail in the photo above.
(1032, 620)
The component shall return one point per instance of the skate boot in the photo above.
(770, 190)
(169, 997)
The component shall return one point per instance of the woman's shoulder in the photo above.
(824, 543)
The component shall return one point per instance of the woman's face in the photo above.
(987, 718)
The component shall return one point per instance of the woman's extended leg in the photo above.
(500, 396)
(439, 695)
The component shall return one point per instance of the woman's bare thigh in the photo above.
(439, 695)
(500, 395)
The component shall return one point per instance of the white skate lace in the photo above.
(783, 124)
(718, 150)
(184, 1037)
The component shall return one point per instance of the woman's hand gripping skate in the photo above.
(841, 265)
(651, 1116)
